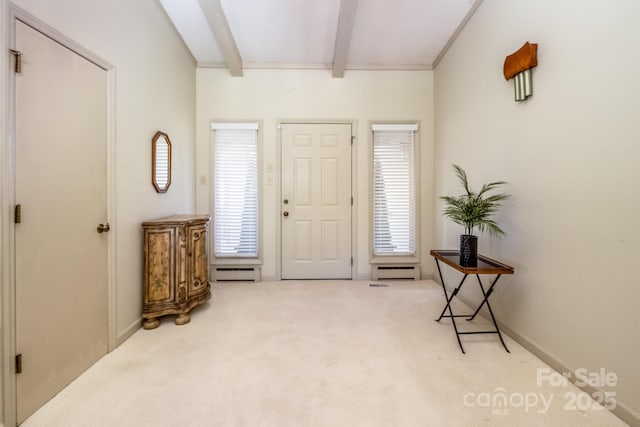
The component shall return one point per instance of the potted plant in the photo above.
(473, 210)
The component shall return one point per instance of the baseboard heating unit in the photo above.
(244, 273)
(395, 271)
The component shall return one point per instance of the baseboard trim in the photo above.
(621, 410)
(129, 330)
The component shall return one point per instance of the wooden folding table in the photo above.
(485, 265)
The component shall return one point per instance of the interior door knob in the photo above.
(285, 213)
(103, 228)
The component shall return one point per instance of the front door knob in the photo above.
(285, 213)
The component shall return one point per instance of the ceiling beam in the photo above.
(220, 27)
(343, 36)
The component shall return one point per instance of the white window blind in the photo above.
(235, 190)
(394, 192)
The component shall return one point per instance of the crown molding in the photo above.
(319, 66)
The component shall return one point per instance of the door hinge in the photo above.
(353, 138)
(18, 55)
(351, 200)
(351, 261)
(19, 363)
(18, 214)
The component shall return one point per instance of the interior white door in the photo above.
(316, 201)
(61, 186)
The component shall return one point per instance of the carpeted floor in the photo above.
(317, 353)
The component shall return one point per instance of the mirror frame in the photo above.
(154, 149)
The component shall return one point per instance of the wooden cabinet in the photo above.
(176, 267)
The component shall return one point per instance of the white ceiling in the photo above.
(328, 34)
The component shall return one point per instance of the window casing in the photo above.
(235, 190)
(394, 192)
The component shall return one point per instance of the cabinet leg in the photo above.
(151, 323)
(183, 318)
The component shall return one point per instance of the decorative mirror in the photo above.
(161, 162)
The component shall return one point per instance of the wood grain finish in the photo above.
(524, 58)
(160, 265)
(176, 267)
(485, 265)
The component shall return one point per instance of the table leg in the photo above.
(449, 299)
(448, 306)
(484, 294)
(485, 300)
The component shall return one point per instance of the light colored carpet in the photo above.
(316, 353)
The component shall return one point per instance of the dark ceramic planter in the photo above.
(468, 250)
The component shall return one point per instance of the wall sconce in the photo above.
(518, 65)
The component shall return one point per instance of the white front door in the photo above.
(61, 186)
(316, 201)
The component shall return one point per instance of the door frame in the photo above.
(354, 186)
(10, 13)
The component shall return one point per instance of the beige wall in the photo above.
(571, 156)
(272, 95)
(569, 153)
(155, 90)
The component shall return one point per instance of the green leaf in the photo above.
(473, 210)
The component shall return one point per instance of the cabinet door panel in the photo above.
(160, 265)
(198, 252)
(182, 266)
